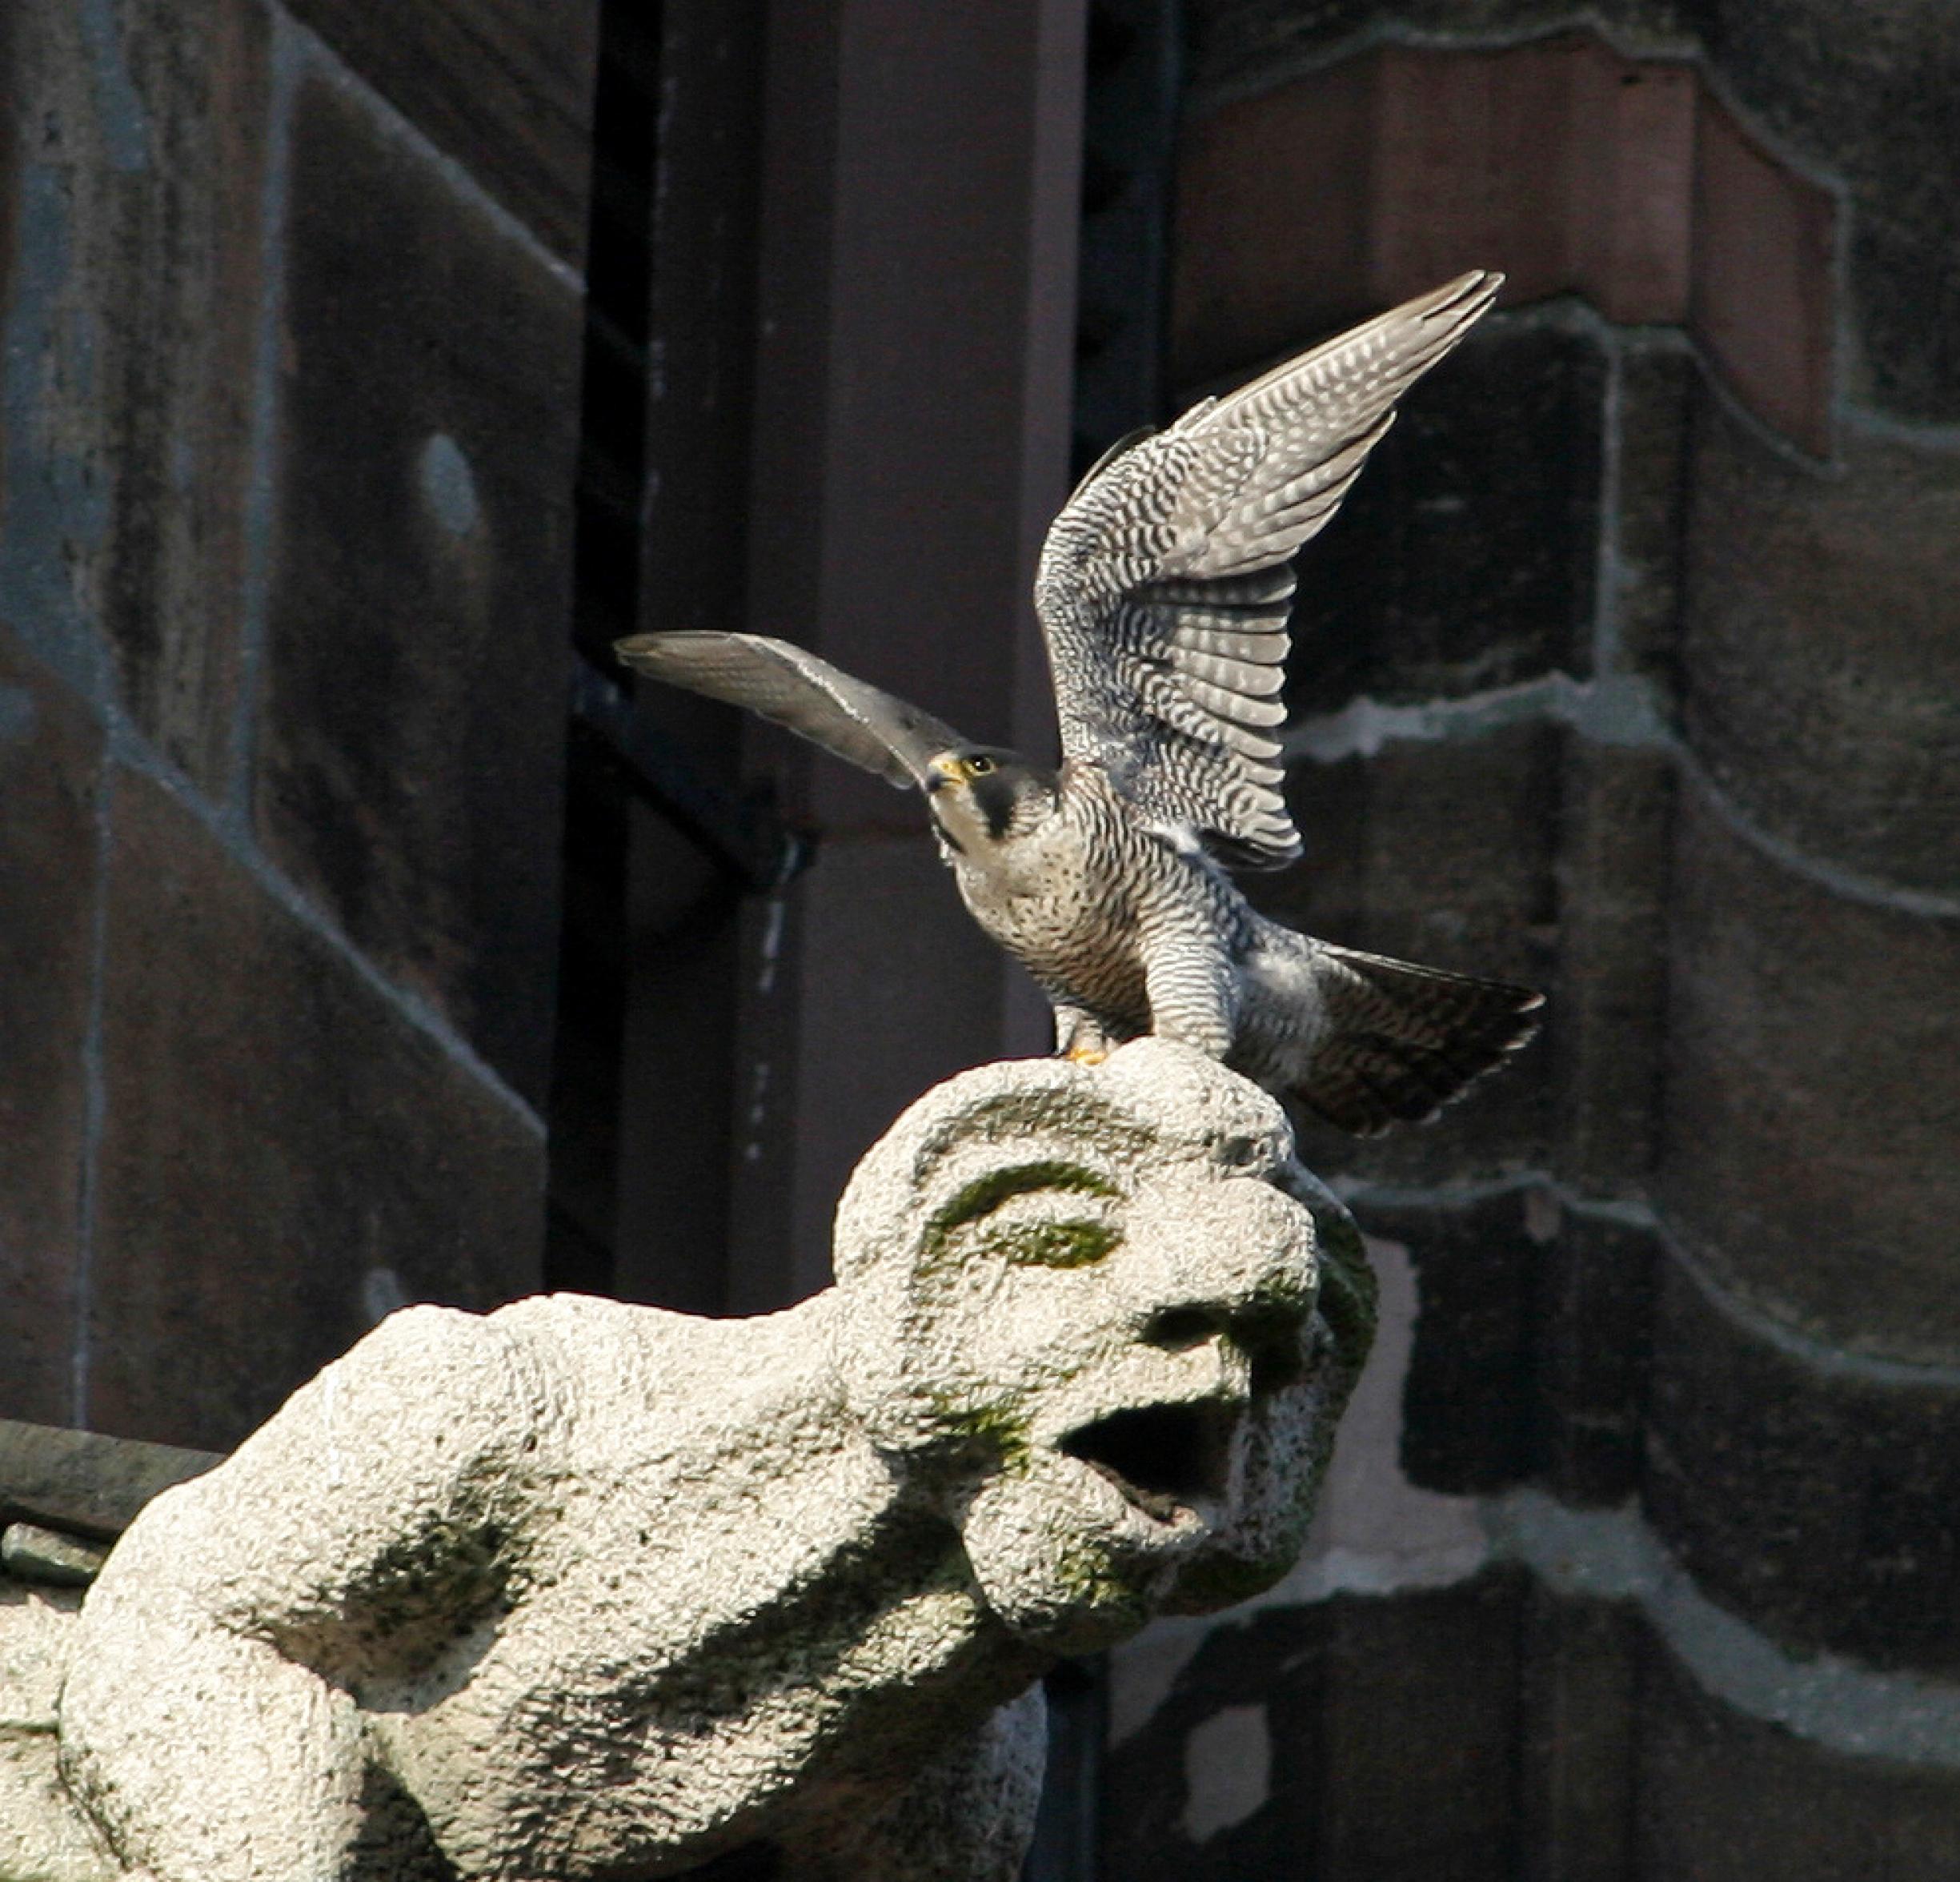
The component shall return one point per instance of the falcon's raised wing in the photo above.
(1164, 587)
(853, 721)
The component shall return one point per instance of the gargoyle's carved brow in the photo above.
(985, 1193)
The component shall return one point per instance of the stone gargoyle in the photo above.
(581, 1589)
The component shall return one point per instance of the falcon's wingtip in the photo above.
(1467, 297)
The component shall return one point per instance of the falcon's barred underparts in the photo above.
(1163, 590)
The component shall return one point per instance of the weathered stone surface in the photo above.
(284, 1154)
(1234, 43)
(1765, 295)
(504, 86)
(1388, 1728)
(411, 747)
(41, 1839)
(33, 1655)
(29, 1553)
(1580, 1673)
(134, 194)
(1822, 671)
(1724, 1798)
(1528, 1357)
(1822, 1506)
(1558, 159)
(1864, 94)
(1814, 1095)
(82, 1482)
(1608, 999)
(1868, 94)
(1530, 1346)
(1592, 1313)
(1465, 556)
(1572, 167)
(1440, 851)
(1659, 380)
(1468, 1410)
(50, 770)
(777, 1582)
(1244, 174)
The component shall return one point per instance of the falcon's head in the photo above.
(981, 795)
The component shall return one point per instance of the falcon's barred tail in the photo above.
(1403, 1041)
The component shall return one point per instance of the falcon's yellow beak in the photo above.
(950, 770)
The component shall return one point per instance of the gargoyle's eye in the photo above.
(1055, 1244)
(979, 765)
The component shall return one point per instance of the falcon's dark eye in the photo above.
(979, 765)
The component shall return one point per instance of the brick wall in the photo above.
(292, 320)
(1629, 670)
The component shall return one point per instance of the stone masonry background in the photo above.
(361, 363)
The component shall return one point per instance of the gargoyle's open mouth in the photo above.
(1163, 1458)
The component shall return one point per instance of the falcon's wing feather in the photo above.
(848, 719)
(1164, 586)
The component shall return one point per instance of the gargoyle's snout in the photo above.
(1270, 1330)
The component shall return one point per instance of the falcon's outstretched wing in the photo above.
(856, 722)
(1164, 587)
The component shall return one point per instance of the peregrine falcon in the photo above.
(1163, 590)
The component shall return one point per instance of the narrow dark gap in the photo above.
(619, 278)
(583, 1109)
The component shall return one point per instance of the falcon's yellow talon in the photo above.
(1086, 1055)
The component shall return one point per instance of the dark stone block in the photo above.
(1609, 997)
(284, 1154)
(1868, 92)
(132, 343)
(1392, 1727)
(51, 759)
(411, 746)
(1725, 1798)
(1465, 557)
(82, 1483)
(1821, 668)
(1580, 1690)
(505, 86)
(1865, 93)
(1659, 381)
(1232, 43)
(1439, 852)
(1822, 1505)
(1468, 1410)
(1592, 1328)
(1813, 1096)
(1765, 305)
(1530, 1345)
(1419, 1734)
